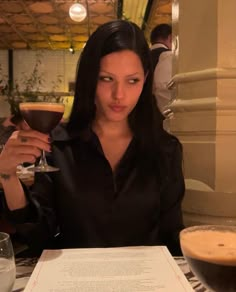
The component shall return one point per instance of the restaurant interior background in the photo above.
(39, 41)
(204, 78)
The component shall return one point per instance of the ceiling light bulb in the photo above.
(77, 12)
(71, 49)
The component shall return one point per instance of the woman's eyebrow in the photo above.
(128, 75)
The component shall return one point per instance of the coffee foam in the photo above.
(212, 246)
(41, 106)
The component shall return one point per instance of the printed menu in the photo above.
(122, 269)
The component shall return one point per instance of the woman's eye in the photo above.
(105, 78)
(133, 81)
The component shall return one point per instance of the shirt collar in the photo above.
(158, 45)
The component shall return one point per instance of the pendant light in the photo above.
(77, 12)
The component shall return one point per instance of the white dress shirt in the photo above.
(162, 76)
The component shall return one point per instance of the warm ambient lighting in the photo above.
(77, 12)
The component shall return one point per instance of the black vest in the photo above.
(155, 54)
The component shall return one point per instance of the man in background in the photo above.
(161, 40)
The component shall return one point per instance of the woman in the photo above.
(120, 181)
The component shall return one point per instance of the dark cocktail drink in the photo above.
(210, 251)
(40, 116)
(43, 117)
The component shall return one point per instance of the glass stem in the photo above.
(43, 161)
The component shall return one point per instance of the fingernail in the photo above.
(50, 140)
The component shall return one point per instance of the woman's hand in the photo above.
(22, 146)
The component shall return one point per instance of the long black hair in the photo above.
(145, 120)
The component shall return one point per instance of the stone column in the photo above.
(204, 77)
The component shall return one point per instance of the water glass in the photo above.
(7, 263)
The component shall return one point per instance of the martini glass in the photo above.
(43, 117)
(210, 251)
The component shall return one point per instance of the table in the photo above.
(25, 266)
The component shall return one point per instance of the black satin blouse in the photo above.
(87, 205)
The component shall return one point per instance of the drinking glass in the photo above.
(210, 251)
(43, 117)
(7, 263)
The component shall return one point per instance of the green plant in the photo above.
(30, 87)
(32, 83)
(6, 90)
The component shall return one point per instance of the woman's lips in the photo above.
(117, 108)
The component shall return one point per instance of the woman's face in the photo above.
(120, 83)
